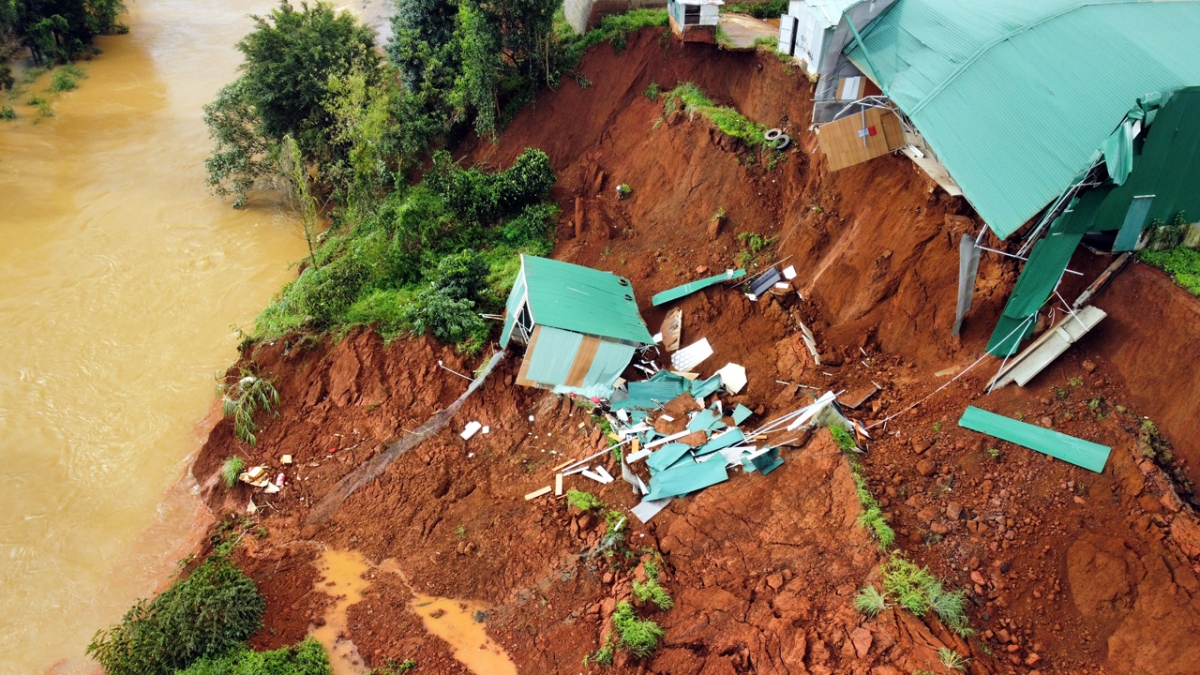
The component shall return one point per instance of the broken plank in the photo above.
(538, 493)
(558, 488)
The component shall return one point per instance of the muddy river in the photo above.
(120, 279)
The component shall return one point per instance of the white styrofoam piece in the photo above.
(691, 356)
(605, 474)
(471, 429)
(789, 272)
(485, 430)
(658, 338)
(783, 285)
(733, 377)
(667, 418)
(594, 476)
(623, 415)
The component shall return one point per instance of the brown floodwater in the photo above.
(120, 280)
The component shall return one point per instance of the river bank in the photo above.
(120, 278)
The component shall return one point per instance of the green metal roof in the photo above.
(1167, 167)
(583, 300)
(692, 287)
(1077, 451)
(685, 478)
(1017, 97)
(1037, 282)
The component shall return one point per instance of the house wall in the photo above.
(804, 35)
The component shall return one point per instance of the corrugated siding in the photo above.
(611, 360)
(553, 355)
(583, 300)
(512, 307)
(685, 478)
(1017, 96)
(1091, 456)
(1037, 282)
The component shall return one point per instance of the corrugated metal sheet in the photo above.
(512, 307)
(662, 459)
(685, 478)
(726, 440)
(1049, 346)
(553, 355)
(1091, 456)
(1037, 282)
(1167, 167)
(700, 284)
(741, 413)
(583, 300)
(1018, 96)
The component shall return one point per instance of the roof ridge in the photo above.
(1008, 36)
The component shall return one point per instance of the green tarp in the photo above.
(1091, 456)
(1037, 282)
(688, 289)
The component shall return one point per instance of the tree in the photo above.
(56, 30)
(290, 56)
(423, 30)
(478, 85)
(292, 164)
(242, 156)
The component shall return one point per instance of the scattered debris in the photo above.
(691, 356)
(538, 493)
(789, 272)
(733, 377)
(672, 330)
(471, 429)
(853, 399)
(763, 283)
(286, 459)
(1049, 346)
(1091, 456)
(558, 484)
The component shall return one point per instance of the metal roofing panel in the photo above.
(722, 441)
(1018, 96)
(685, 478)
(583, 300)
(553, 355)
(670, 453)
(700, 284)
(1091, 456)
(1037, 282)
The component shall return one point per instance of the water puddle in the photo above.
(341, 577)
(457, 622)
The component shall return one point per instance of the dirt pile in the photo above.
(1066, 570)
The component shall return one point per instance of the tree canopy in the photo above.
(56, 30)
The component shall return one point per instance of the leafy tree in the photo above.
(290, 56)
(215, 608)
(478, 85)
(366, 130)
(56, 30)
(306, 657)
(423, 30)
(242, 156)
(293, 167)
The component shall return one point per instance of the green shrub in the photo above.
(842, 437)
(604, 655)
(204, 615)
(909, 585)
(231, 469)
(306, 657)
(614, 28)
(66, 78)
(870, 601)
(638, 636)
(653, 91)
(692, 101)
(7, 81)
(772, 9)
(241, 401)
(7, 113)
(482, 197)
(952, 659)
(584, 501)
(651, 591)
(1183, 264)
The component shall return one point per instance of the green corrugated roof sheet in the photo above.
(1091, 456)
(685, 478)
(652, 393)
(1166, 164)
(583, 300)
(700, 284)
(664, 457)
(741, 413)
(1017, 97)
(726, 440)
(1037, 282)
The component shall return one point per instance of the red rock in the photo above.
(1032, 659)
(861, 637)
(920, 445)
(978, 578)
(953, 510)
(926, 468)
(1088, 366)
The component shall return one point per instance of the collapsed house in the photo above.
(580, 327)
(1064, 113)
(695, 19)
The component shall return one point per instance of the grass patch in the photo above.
(772, 9)
(871, 519)
(693, 101)
(870, 601)
(920, 592)
(1183, 264)
(639, 636)
(584, 501)
(604, 655)
(615, 29)
(231, 469)
(952, 659)
(242, 400)
(752, 245)
(66, 78)
(651, 591)
(7, 113)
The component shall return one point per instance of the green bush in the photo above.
(772, 9)
(692, 100)
(614, 28)
(651, 591)
(1183, 264)
(231, 469)
(7, 113)
(638, 636)
(482, 197)
(242, 401)
(584, 501)
(306, 657)
(66, 78)
(204, 615)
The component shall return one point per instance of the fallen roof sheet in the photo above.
(648, 509)
(685, 478)
(1043, 351)
(741, 413)
(722, 441)
(692, 355)
(1017, 97)
(668, 455)
(1091, 456)
(764, 282)
(689, 288)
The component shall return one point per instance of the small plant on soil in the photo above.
(584, 501)
(870, 601)
(994, 452)
(304, 658)
(231, 469)
(461, 531)
(242, 400)
(653, 91)
(638, 636)
(919, 591)
(952, 659)
(623, 190)
(650, 591)
(843, 438)
(604, 655)
(7, 113)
